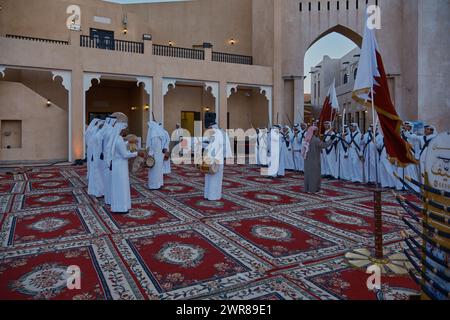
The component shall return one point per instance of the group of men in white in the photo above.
(108, 155)
(354, 156)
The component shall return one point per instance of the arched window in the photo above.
(345, 78)
(355, 73)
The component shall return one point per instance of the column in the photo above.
(299, 101)
(77, 116)
(223, 97)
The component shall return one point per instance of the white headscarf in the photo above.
(357, 127)
(154, 130)
(435, 132)
(111, 146)
(88, 133)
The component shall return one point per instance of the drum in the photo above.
(150, 162)
(209, 168)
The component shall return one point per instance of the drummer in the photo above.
(218, 149)
(166, 150)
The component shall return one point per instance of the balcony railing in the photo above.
(231, 58)
(138, 47)
(12, 36)
(176, 52)
(114, 45)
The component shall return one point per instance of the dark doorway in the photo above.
(188, 119)
(104, 39)
(210, 118)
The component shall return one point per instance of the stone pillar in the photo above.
(223, 101)
(278, 82)
(148, 45)
(158, 99)
(77, 116)
(299, 101)
(208, 47)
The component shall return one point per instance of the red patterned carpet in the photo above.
(264, 240)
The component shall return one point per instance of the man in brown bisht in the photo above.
(312, 149)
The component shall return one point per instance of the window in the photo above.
(355, 73)
(345, 78)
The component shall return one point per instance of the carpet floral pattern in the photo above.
(265, 240)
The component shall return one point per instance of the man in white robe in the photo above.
(218, 149)
(107, 136)
(155, 146)
(430, 134)
(344, 164)
(263, 147)
(370, 157)
(288, 155)
(297, 146)
(329, 155)
(96, 179)
(411, 170)
(120, 179)
(354, 153)
(166, 148)
(92, 128)
(385, 167)
(276, 142)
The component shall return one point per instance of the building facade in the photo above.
(64, 61)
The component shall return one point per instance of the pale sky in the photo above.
(333, 45)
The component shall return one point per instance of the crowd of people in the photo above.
(350, 155)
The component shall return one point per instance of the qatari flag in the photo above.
(330, 107)
(371, 77)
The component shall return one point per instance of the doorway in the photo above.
(188, 119)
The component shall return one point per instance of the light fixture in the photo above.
(232, 42)
(48, 103)
(125, 24)
(147, 107)
(207, 109)
(171, 43)
(133, 108)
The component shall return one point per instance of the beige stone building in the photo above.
(241, 61)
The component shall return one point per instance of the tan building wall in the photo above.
(44, 129)
(275, 32)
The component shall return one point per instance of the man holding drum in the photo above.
(218, 149)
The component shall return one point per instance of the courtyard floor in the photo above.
(266, 239)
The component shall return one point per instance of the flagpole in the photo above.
(377, 195)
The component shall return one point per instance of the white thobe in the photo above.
(329, 158)
(166, 145)
(345, 172)
(120, 179)
(354, 153)
(263, 148)
(156, 174)
(214, 182)
(96, 186)
(107, 170)
(385, 167)
(424, 144)
(288, 155)
(411, 170)
(274, 144)
(370, 158)
(297, 145)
